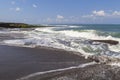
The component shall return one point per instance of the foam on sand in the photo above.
(53, 72)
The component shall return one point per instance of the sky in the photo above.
(60, 11)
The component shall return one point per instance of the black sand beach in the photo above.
(16, 62)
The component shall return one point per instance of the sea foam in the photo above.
(71, 40)
(51, 72)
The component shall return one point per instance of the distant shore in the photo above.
(19, 25)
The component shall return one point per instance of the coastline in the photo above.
(86, 69)
(17, 62)
(20, 63)
(92, 72)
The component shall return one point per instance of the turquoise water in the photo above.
(101, 29)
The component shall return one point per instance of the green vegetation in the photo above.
(19, 25)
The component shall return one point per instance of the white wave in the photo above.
(60, 25)
(88, 34)
(85, 34)
(69, 26)
(38, 74)
(68, 40)
(91, 34)
(44, 29)
(74, 26)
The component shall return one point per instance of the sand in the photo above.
(16, 62)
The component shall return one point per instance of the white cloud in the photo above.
(99, 13)
(60, 17)
(34, 5)
(18, 9)
(116, 13)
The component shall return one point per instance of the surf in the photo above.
(67, 38)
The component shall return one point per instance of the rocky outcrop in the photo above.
(18, 25)
(13, 25)
(111, 42)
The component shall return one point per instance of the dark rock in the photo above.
(19, 25)
(111, 42)
(13, 25)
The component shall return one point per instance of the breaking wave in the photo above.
(71, 40)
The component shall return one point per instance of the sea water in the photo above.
(71, 37)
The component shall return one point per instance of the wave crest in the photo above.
(72, 40)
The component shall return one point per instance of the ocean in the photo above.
(70, 37)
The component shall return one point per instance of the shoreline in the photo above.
(17, 62)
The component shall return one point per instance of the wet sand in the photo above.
(16, 62)
(93, 72)
(90, 72)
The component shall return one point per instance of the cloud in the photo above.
(101, 16)
(60, 17)
(34, 5)
(102, 13)
(116, 13)
(18, 9)
(99, 13)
